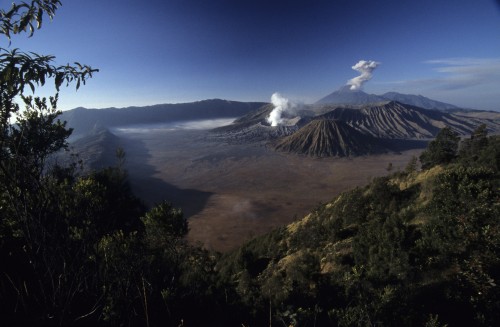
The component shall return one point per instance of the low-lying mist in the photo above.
(204, 124)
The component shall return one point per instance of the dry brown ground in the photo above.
(231, 193)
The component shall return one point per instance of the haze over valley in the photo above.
(241, 169)
(231, 193)
(241, 176)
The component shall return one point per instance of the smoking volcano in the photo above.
(351, 93)
(346, 96)
(279, 118)
(347, 122)
(283, 113)
(366, 68)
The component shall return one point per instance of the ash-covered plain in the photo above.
(243, 175)
(232, 192)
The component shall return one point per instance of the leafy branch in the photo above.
(19, 69)
(25, 16)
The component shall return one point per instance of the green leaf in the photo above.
(39, 18)
(58, 80)
(32, 87)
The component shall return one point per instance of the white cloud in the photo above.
(465, 72)
(471, 82)
(458, 73)
(366, 68)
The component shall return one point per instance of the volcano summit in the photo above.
(329, 138)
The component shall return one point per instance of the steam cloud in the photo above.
(366, 68)
(280, 104)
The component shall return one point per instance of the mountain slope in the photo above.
(396, 120)
(97, 149)
(257, 116)
(418, 101)
(254, 127)
(326, 137)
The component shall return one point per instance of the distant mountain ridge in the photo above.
(390, 126)
(386, 126)
(84, 120)
(334, 130)
(346, 96)
(418, 101)
(394, 120)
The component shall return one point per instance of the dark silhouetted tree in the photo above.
(41, 273)
(442, 150)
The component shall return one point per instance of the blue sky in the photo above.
(159, 51)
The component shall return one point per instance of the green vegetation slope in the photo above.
(411, 249)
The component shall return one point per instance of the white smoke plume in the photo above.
(366, 68)
(280, 104)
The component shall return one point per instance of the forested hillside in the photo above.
(414, 248)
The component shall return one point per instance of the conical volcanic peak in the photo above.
(346, 96)
(329, 138)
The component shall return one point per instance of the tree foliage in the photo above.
(442, 150)
(22, 16)
(73, 247)
(43, 272)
